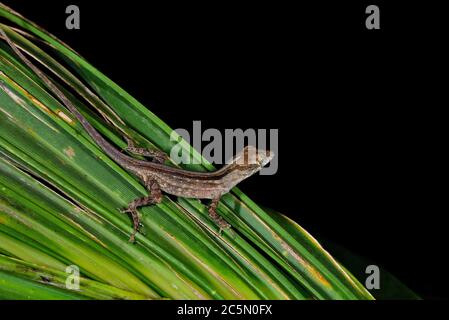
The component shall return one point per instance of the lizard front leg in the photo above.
(222, 224)
(158, 156)
(155, 197)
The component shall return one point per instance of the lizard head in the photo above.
(251, 156)
(246, 163)
(250, 160)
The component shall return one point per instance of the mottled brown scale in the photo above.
(158, 177)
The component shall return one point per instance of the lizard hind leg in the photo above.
(158, 156)
(155, 197)
(219, 221)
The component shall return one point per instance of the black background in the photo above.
(357, 110)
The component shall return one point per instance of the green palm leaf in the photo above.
(59, 200)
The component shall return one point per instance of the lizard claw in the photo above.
(223, 226)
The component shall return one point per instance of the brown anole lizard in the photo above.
(158, 177)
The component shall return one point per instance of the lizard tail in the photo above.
(108, 148)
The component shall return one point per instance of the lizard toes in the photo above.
(126, 210)
(223, 225)
(132, 238)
